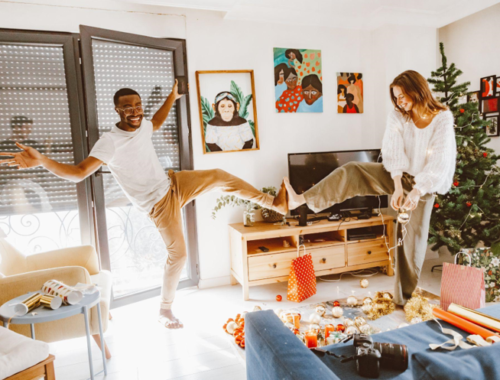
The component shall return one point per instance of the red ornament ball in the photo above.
(455, 183)
(279, 298)
(468, 204)
(336, 303)
(462, 110)
(436, 205)
(485, 154)
(340, 327)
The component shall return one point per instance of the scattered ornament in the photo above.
(366, 308)
(367, 301)
(231, 326)
(337, 312)
(351, 330)
(348, 322)
(279, 298)
(388, 296)
(359, 321)
(365, 329)
(364, 283)
(321, 310)
(340, 327)
(315, 318)
(351, 301)
(257, 308)
(415, 320)
(336, 303)
(236, 328)
(382, 305)
(404, 324)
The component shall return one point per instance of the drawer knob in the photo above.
(274, 265)
(323, 260)
(369, 252)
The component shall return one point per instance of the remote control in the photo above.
(264, 249)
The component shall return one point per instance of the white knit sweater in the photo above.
(428, 154)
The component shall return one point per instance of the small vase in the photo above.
(248, 218)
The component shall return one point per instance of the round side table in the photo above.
(47, 315)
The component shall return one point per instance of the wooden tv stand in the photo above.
(326, 242)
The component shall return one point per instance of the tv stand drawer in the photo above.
(328, 257)
(366, 252)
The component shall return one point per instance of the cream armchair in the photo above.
(22, 274)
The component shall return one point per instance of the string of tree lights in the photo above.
(470, 212)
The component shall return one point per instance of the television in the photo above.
(307, 169)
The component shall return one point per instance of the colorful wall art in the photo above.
(298, 80)
(350, 92)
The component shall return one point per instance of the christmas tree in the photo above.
(470, 212)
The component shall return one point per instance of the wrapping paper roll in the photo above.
(68, 295)
(51, 302)
(475, 316)
(462, 324)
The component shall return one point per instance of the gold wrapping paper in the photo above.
(475, 316)
(51, 302)
(32, 302)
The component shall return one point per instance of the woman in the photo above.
(419, 152)
(279, 80)
(356, 92)
(341, 101)
(292, 96)
(312, 94)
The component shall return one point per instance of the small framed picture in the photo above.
(490, 105)
(492, 128)
(488, 86)
(497, 88)
(228, 112)
(473, 97)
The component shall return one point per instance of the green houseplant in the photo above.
(269, 216)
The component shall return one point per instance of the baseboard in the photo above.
(214, 282)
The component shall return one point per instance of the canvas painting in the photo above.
(350, 92)
(492, 128)
(489, 105)
(298, 80)
(228, 112)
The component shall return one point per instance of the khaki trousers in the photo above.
(367, 178)
(166, 214)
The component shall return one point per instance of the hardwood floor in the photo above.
(143, 349)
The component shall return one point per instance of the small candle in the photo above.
(328, 330)
(311, 338)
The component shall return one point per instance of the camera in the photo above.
(371, 356)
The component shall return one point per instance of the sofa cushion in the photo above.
(18, 353)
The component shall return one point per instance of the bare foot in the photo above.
(280, 203)
(294, 200)
(168, 319)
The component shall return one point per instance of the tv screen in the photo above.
(307, 169)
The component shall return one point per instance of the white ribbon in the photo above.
(457, 340)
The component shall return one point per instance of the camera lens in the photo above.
(394, 356)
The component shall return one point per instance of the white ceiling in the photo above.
(350, 14)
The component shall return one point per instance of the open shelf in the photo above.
(324, 239)
(275, 245)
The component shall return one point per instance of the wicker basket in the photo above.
(271, 216)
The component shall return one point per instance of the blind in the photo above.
(148, 71)
(34, 110)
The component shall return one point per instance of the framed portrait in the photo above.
(349, 93)
(298, 80)
(488, 86)
(492, 127)
(490, 105)
(473, 97)
(497, 87)
(228, 111)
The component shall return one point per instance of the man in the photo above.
(128, 152)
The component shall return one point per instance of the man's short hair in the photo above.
(123, 92)
(19, 121)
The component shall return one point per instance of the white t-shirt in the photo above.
(132, 160)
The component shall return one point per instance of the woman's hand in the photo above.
(397, 198)
(411, 201)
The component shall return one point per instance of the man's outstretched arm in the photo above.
(29, 158)
(161, 115)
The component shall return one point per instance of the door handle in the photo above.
(274, 266)
(369, 252)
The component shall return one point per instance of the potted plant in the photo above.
(269, 216)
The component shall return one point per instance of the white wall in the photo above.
(472, 43)
(214, 43)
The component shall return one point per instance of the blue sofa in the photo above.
(274, 353)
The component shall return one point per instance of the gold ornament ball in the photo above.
(366, 308)
(352, 301)
(367, 301)
(364, 283)
(348, 322)
(257, 308)
(359, 321)
(351, 330)
(321, 310)
(388, 296)
(403, 217)
(337, 312)
(365, 329)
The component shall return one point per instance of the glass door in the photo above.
(39, 107)
(129, 243)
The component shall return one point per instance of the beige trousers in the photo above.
(166, 214)
(363, 178)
